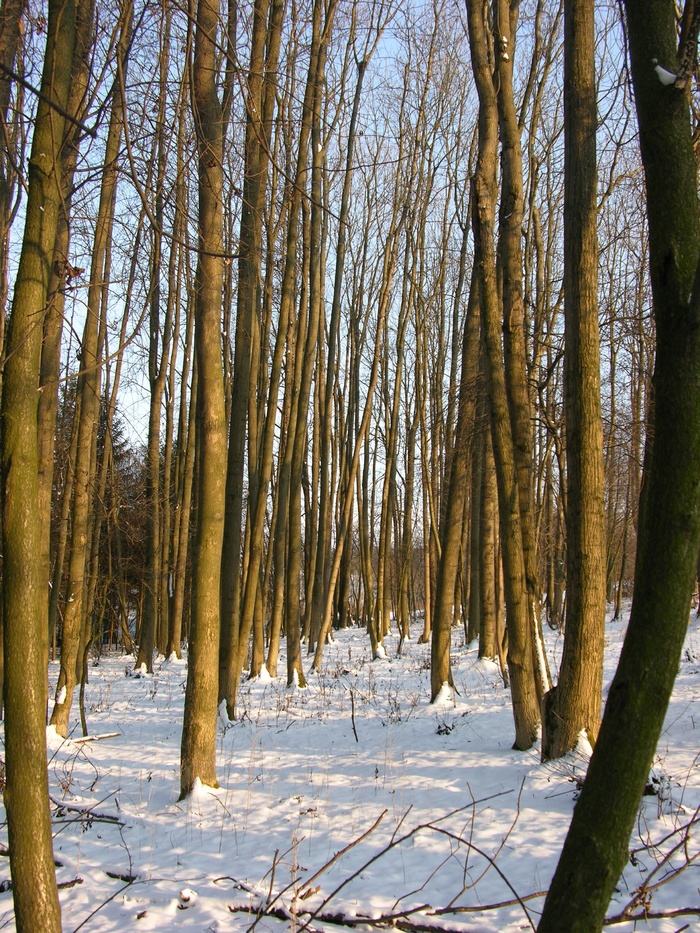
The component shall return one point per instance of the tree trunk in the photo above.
(451, 533)
(518, 617)
(198, 750)
(574, 704)
(87, 412)
(25, 636)
(488, 552)
(259, 104)
(510, 263)
(596, 847)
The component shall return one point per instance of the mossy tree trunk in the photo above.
(596, 847)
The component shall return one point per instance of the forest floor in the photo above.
(352, 803)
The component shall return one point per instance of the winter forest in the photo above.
(350, 377)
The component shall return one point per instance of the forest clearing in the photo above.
(432, 812)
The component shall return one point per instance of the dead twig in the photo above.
(652, 915)
(432, 826)
(642, 895)
(104, 904)
(352, 713)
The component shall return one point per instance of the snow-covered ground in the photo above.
(353, 799)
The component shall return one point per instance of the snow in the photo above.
(264, 676)
(445, 697)
(667, 78)
(354, 797)
(61, 696)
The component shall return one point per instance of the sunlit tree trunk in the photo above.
(184, 452)
(488, 552)
(574, 705)
(25, 632)
(457, 482)
(63, 276)
(518, 618)
(325, 494)
(198, 749)
(77, 609)
(510, 264)
(159, 337)
(237, 619)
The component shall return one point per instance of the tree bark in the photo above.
(87, 412)
(518, 618)
(451, 533)
(574, 705)
(198, 749)
(26, 635)
(596, 847)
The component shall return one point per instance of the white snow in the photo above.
(264, 676)
(317, 782)
(445, 697)
(61, 696)
(540, 650)
(667, 78)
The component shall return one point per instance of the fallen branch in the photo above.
(121, 876)
(87, 811)
(96, 738)
(626, 917)
(6, 884)
(309, 881)
(395, 921)
(352, 714)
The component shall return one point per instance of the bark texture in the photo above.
(198, 750)
(574, 704)
(596, 847)
(26, 634)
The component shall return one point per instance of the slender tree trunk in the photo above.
(574, 704)
(87, 411)
(259, 104)
(510, 256)
(518, 618)
(198, 749)
(440, 672)
(183, 528)
(62, 275)
(325, 497)
(488, 553)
